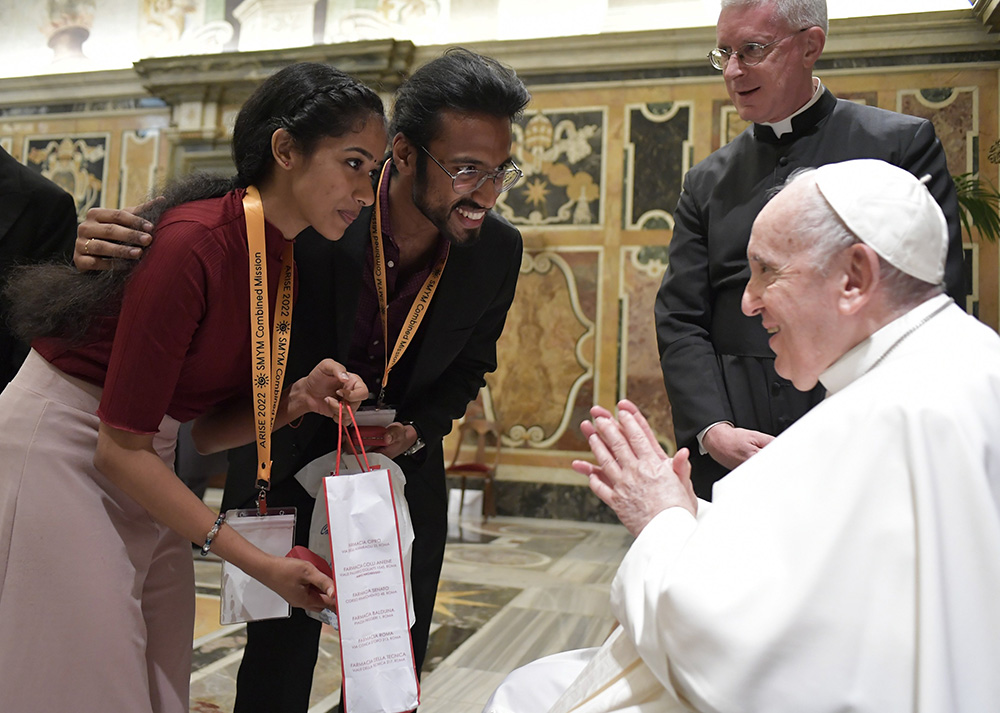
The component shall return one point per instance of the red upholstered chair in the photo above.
(486, 436)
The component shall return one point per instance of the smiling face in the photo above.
(782, 83)
(330, 186)
(797, 303)
(475, 141)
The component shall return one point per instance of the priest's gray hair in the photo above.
(828, 236)
(795, 13)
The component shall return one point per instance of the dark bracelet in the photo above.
(211, 534)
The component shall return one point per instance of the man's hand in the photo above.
(730, 446)
(633, 475)
(109, 234)
(398, 439)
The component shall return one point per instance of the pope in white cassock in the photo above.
(854, 563)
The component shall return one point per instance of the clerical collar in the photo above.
(784, 126)
(866, 355)
(821, 104)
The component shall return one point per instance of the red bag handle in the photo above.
(340, 438)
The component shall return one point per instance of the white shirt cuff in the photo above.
(702, 432)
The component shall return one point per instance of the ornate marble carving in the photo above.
(561, 154)
(77, 163)
(409, 19)
(546, 353)
(272, 24)
(658, 150)
(161, 22)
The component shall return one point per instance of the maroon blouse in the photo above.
(181, 344)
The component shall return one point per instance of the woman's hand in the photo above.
(328, 384)
(232, 425)
(299, 583)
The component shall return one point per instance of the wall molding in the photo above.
(682, 52)
(989, 12)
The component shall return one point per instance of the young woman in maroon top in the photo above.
(173, 344)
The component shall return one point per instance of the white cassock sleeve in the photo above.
(800, 589)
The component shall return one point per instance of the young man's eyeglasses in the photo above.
(468, 180)
(750, 54)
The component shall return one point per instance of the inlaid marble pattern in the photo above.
(139, 160)
(954, 111)
(548, 347)
(641, 377)
(561, 154)
(726, 123)
(551, 500)
(76, 163)
(494, 612)
(955, 115)
(657, 154)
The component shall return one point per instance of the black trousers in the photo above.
(276, 673)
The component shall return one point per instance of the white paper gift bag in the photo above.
(379, 675)
(311, 479)
(368, 539)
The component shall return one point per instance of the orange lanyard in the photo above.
(418, 309)
(269, 352)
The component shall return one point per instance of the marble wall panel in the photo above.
(78, 163)
(543, 385)
(140, 158)
(640, 377)
(7, 143)
(562, 156)
(954, 111)
(726, 123)
(658, 145)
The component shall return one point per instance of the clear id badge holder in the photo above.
(243, 598)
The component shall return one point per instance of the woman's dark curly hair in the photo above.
(310, 101)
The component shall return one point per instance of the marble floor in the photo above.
(512, 590)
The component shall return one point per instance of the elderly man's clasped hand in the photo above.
(633, 475)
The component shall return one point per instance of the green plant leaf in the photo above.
(978, 205)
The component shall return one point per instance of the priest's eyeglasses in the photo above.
(468, 180)
(750, 54)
